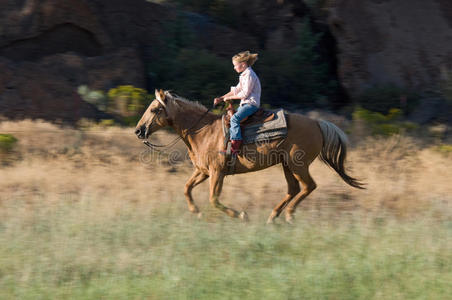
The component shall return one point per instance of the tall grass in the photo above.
(81, 217)
(89, 250)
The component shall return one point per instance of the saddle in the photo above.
(262, 126)
(259, 117)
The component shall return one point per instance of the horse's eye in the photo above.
(154, 110)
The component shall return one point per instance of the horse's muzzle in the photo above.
(141, 132)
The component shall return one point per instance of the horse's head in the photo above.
(155, 116)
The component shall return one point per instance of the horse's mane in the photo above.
(192, 104)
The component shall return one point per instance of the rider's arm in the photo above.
(235, 90)
(232, 98)
(243, 89)
(231, 93)
(222, 98)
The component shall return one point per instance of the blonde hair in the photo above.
(245, 56)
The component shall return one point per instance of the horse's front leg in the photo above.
(196, 178)
(216, 184)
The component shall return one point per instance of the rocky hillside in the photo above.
(48, 48)
(401, 42)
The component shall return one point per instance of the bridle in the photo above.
(156, 147)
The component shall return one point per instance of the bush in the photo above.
(127, 100)
(444, 148)
(381, 124)
(296, 75)
(107, 123)
(95, 97)
(179, 65)
(7, 142)
(222, 11)
(197, 75)
(383, 98)
(446, 84)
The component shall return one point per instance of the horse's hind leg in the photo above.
(293, 188)
(216, 184)
(303, 176)
(196, 178)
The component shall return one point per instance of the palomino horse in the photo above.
(202, 133)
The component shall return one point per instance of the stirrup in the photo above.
(227, 151)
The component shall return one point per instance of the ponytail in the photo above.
(245, 56)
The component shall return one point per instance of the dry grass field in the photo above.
(90, 214)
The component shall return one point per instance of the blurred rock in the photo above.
(428, 110)
(400, 42)
(433, 107)
(49, 47)
(46, 89)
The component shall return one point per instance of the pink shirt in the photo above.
(249, 88)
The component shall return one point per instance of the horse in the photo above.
(201, 131)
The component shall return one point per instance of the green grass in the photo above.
(86, 250)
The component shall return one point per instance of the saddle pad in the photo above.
(277, 128)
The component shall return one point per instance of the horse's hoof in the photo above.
(289, 219)
(199, 215)
(271, 220)
(194, 210)
(244, 216)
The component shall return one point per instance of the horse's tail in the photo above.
(334, 151)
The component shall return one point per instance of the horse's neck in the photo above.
(188, 120)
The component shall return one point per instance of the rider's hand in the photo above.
(217, 100)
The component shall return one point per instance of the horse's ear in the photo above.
(160, 96)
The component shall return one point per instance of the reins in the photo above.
(156, 147)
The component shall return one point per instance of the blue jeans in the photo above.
(242, 112)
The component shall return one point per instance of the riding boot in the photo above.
(235, 146)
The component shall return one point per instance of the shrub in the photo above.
(127, 100)
(444, 148)
(381, 124)
(222, 11)
(446, 84)
(197, 74)
(107, 123)
(296, 75)
(382, 98)
(95, 97)
(7, 142)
